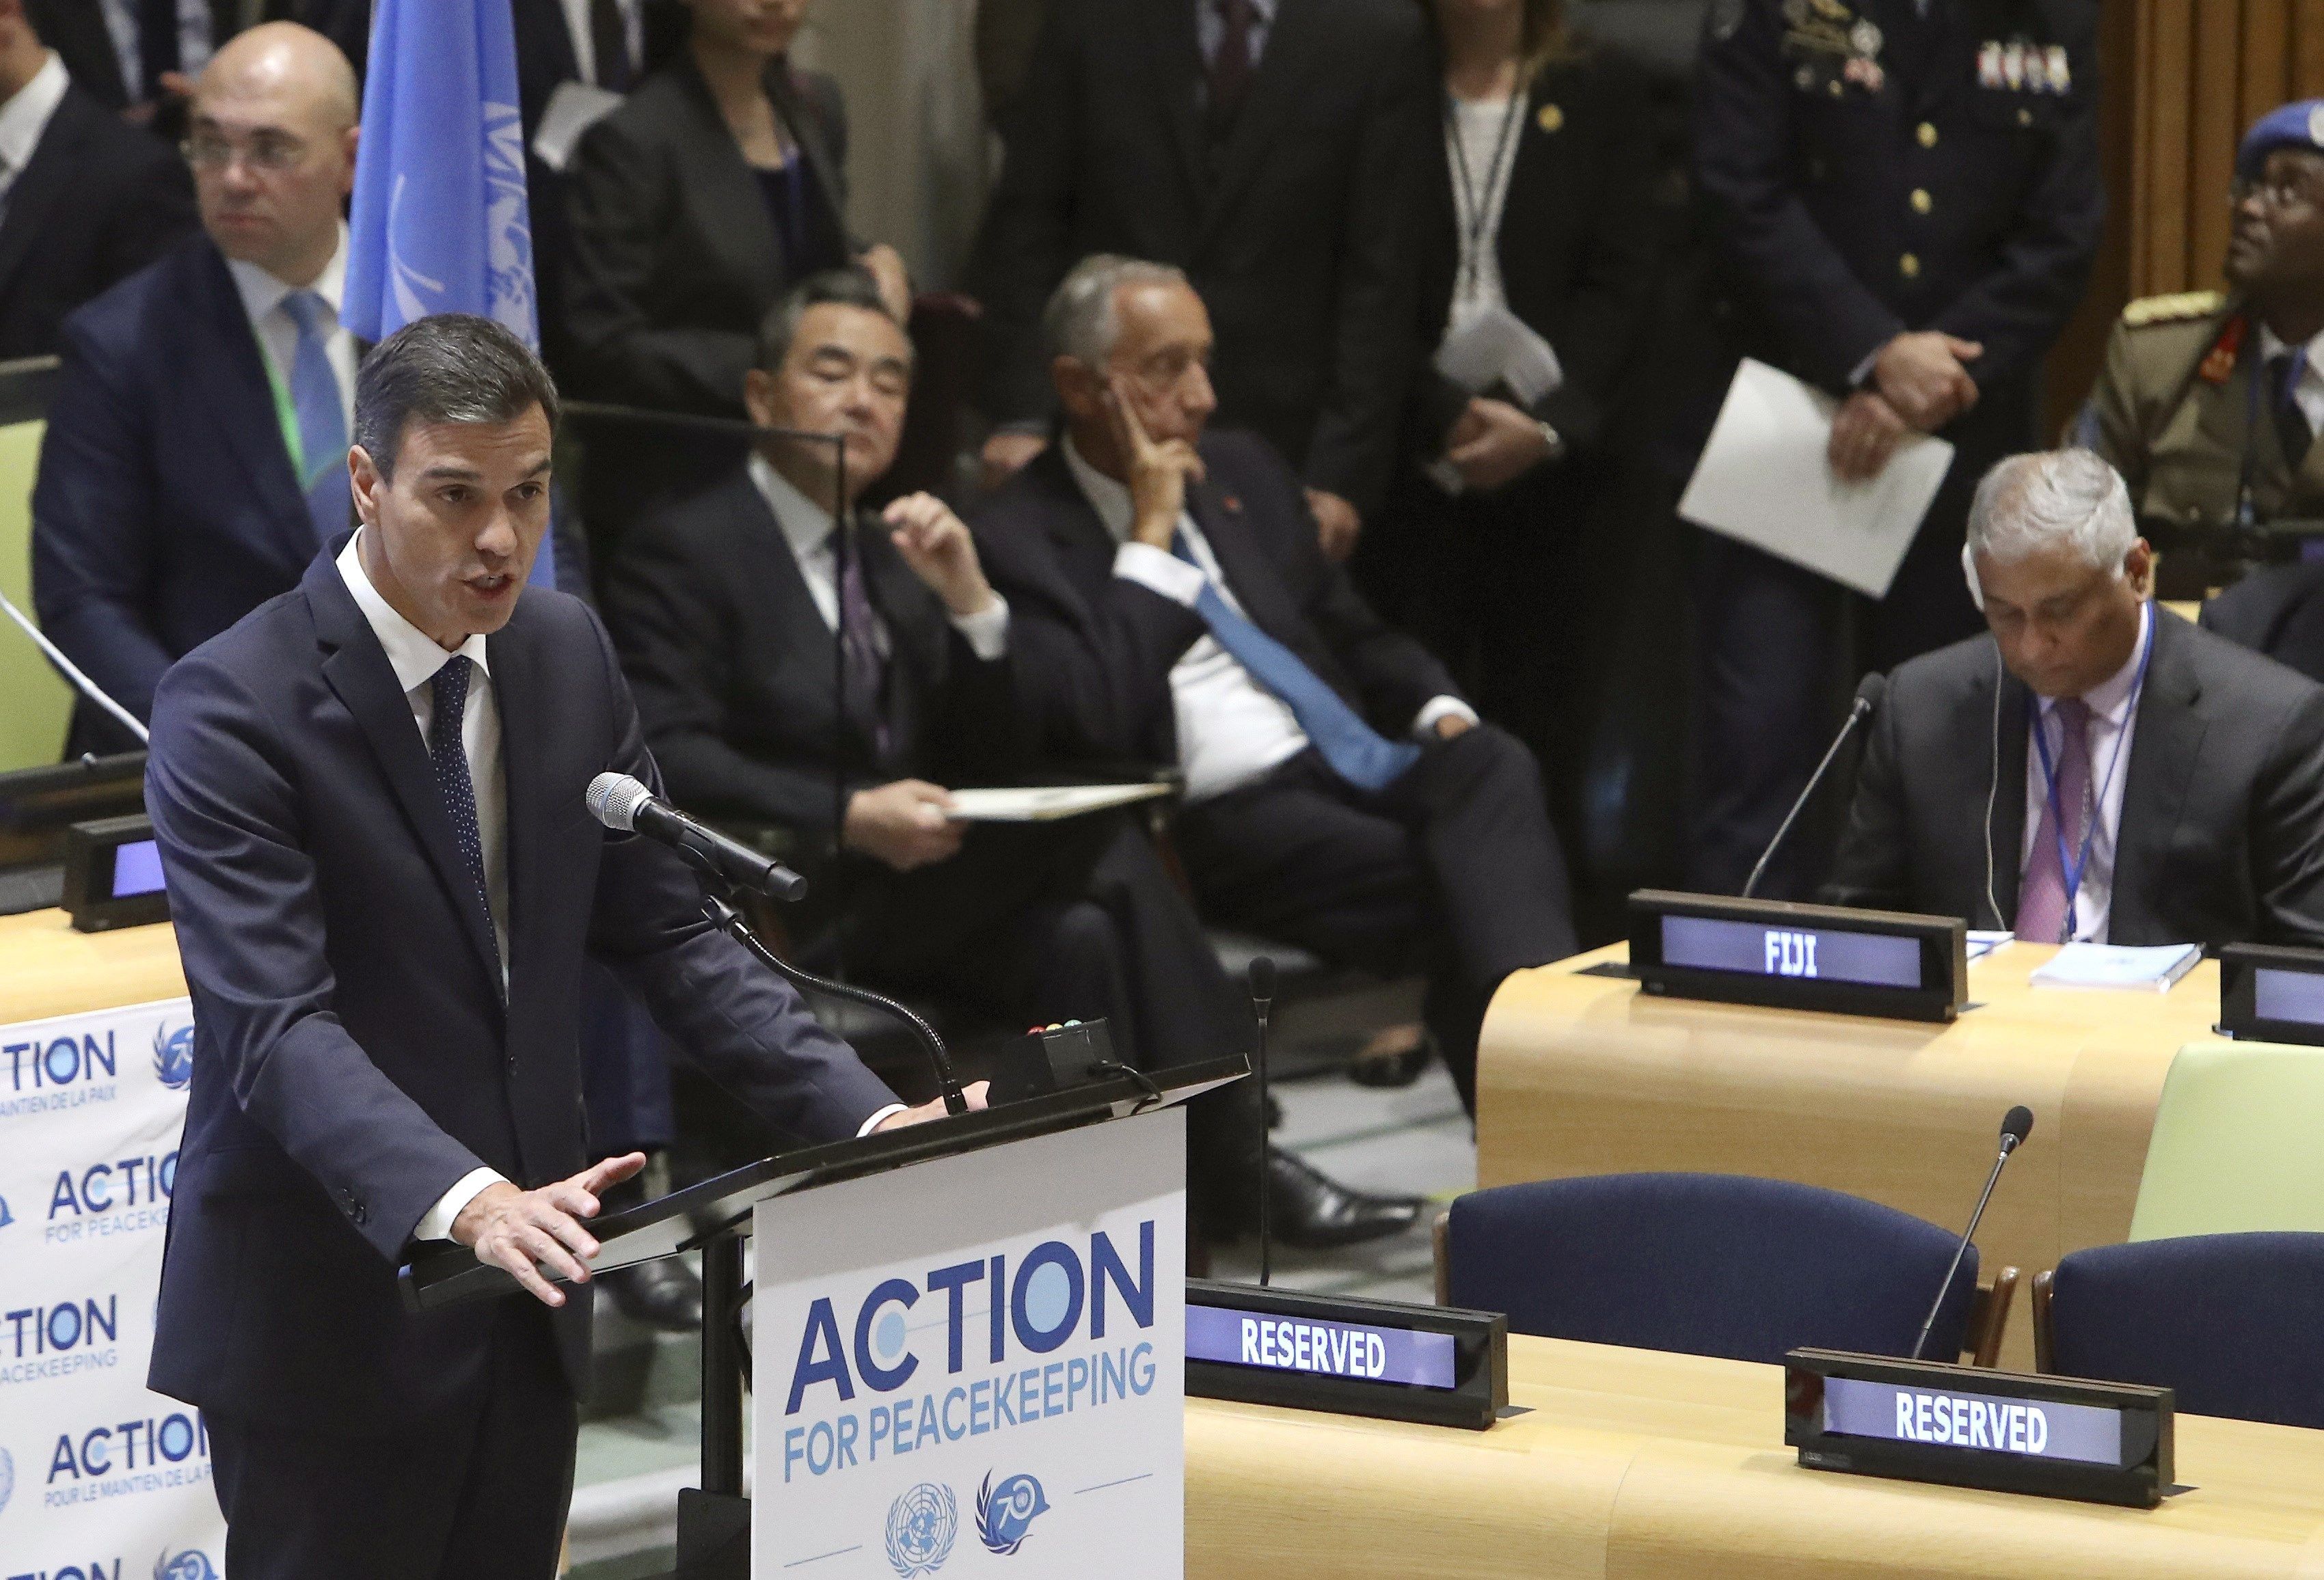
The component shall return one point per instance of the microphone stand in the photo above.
(1945, 1287)
(1857, 711)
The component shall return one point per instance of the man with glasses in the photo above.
(2209, 402)
(196, 454)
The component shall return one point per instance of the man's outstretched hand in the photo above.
(977, 1092)
(525, 1230)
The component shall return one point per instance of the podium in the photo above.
(968, 1334)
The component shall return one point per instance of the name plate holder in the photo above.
(1783, 956)
(2270, 994)
(1963, 1426)
(1438, 1366)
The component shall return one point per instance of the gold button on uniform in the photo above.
(1927, 134)
(1921, 202)
(2025, 117)
(1550, 118)
(1909, 265)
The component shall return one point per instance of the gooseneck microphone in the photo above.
(624, 805)
(1262, 1001)
(73, 675)
(2015, 1126)
(1868, 697)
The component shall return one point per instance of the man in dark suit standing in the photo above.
(2096, 770)
(84, 201)
(369, 797)
(1170, 601)
(138, 58)
(1271, 148)
(726, 607)
(1905, 197)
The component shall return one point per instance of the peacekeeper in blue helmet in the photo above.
(2209, 401)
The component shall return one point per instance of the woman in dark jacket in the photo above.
(719, 184)
(1539, 211)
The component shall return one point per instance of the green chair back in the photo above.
(2235, 1147)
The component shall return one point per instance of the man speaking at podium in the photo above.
(2097, 768)
(368, 795)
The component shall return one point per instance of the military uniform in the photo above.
(1870, 168)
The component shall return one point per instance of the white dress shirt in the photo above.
(2112, 724)
(807, 528)
(25, 116)
(1232, 729)
(1479, 139)
(193, 43)
(2309, 391)
(585, 42)
(278, 331)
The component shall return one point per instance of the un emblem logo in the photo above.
(1004, 1514)
(6, 1217)
(188, 1564)
(173, 1062)
(7, 1477)
(921, 1525)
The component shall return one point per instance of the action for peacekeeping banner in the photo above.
(100, 1479)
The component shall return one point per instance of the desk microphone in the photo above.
(1262, 1001)
(2015, 1126)
(73, 675)
(626, 806)
(1868, 697)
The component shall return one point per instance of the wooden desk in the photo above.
(1586, 1075)
(46, 968)
(1634, 1465)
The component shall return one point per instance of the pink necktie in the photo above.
(2042, 898)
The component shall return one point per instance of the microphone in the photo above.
(2015, 1126)
(1868, 697)
(73, 675)
(626, 806)
(1262, 1000)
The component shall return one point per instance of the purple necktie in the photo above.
(2042, 899)
(860, 643)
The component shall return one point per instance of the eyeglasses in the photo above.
(2279, 192)
(268, 152)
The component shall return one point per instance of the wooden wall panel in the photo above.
(2214, 126)
(2307, 51)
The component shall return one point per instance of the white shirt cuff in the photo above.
(987, 631)
(438, 1224)
(1159, 570)
(1442, 708)
(879, 1118)
(1862, 372)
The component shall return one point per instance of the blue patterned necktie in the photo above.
(322, 418)
(450, 758)
(1355, 751)
(860, 643)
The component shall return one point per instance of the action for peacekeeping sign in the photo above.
(977, 1365)
(100, 1479)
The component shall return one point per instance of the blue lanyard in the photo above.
(2069, 866)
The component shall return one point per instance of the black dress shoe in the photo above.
(1315, 1213)
(664, 1294)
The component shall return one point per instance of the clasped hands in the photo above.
(1919, 383)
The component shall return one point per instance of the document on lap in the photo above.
(1047, 803)
(1763, 479)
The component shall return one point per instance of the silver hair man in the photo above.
(1080, 321)
(2049, 498)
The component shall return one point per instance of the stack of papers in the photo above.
(1982, 943)
(2109, 965)
(1047, 802)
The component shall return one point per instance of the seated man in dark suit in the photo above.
(369, 798)
(2174, 792)
(84, 199)
(1170, 601)
(724, 606)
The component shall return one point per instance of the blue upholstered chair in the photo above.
(1714, 1264)
(2228, 1322)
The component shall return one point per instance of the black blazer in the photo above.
(1577, 242)
(1303, 240)
(2222, 812)
(734, 669)
(674, 258)
(98, 201)
(76, 30)
(1093, 651)
(353, 1057)
(2279, 611)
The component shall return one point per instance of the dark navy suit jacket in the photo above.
(353, 1057)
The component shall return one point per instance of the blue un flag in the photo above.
(439, 222)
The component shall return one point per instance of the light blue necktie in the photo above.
(322, 419)
(1355, 751)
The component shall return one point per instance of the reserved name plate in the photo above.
(1798, 957)
(1427, 1364)
(1916, 1420)
(2270, 994)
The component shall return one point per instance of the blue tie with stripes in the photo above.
(1355, 751)
(322, 417)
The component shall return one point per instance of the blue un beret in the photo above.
(2299, 124)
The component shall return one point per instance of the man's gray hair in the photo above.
(2053, 498)
(1080, 321)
